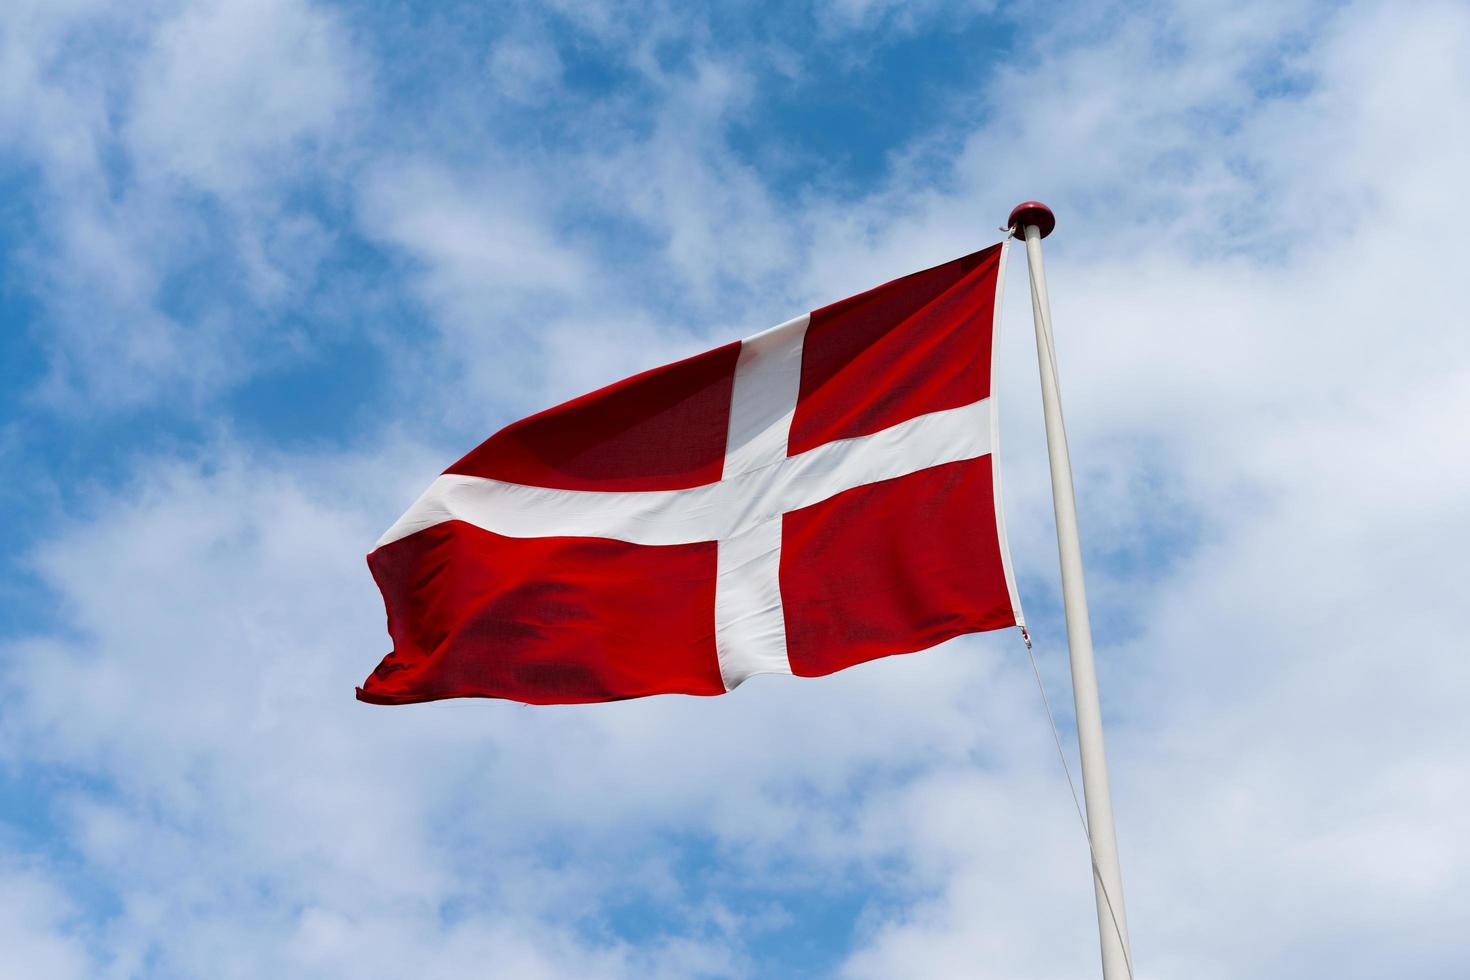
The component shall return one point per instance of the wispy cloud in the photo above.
(161, 151)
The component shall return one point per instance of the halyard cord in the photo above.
(1082, 818)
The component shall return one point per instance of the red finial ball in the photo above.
(1032, 213)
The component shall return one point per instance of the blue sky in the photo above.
(269, 266)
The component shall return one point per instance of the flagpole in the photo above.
(1035, 221)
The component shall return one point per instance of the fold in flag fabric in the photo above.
(819, 495)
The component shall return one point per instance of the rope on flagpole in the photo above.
(1076, 801)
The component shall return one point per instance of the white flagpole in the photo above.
(1035, 221)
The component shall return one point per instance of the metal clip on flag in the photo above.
(1033, 221)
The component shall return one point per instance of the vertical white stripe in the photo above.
(767, 381)
(750, 623)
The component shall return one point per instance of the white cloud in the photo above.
(229, 93)
(36, 929)
(174, 142)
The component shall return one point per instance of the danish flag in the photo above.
(821, 494)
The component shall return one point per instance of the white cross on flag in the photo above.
(821, 494)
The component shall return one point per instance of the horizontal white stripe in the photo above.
(706, 513)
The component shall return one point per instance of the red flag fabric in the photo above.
(819, 495)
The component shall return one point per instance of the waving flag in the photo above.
(821, 494)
